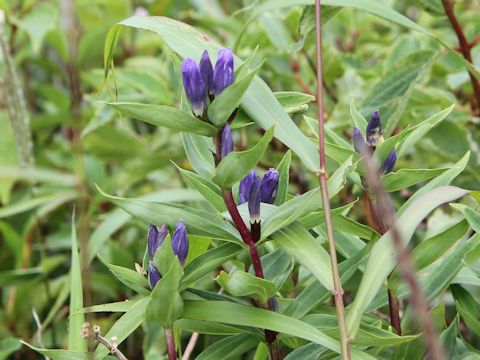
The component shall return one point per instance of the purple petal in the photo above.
(268, 188)
(194, 86)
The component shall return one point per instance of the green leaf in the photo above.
(432, 249)
(75, 341)
(58, 354)
(237, 164)
(300, 244)
(199, 150)
(241, 283)
(442, 180)
(388, 92)
(207, 262)
(19, 276)
(304, 204)
(119, 306)
(472, 216)
(230, 99)
(277, 267)
(383, 256)
(166, 304)
(259, 103)
(8, 346)
(371, 6)
(230, 347)
(221, 311)
(405, 178)
(467, 307)
(294, 102)
(205, 327)
(164, 116)
(283, 169)
(117, 218)
(34, 175)
(210, 191)
(128, 277)
(417, 132)
(198, 222)
(32, 203)
(368, 335)
(124, 326)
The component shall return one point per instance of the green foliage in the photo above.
(100, 85)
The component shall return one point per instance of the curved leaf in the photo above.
(383, 256)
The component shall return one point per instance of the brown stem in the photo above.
(394, 312)
(393, 307)
(465, 48)
(244, 232)
(417, 298)
(172, 354)
(322, 178)
(249, 240)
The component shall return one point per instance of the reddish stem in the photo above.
(172, 354)
(244, 232)
(464, 48)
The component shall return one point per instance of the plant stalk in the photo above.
(465, 48)
(418, 300)
(322, 178)
(393, 307)
(172, 354)
(249, 239)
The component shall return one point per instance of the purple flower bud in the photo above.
(223, 73)
(180, 242)
(389, 162)
(359, 144)
(246, 186)
(227, 141)
(194, 85)
(269, 185)
(155, 239)
(254, 201)
(374, 129)
(153, 275)
(206, 69)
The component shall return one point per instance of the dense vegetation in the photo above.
(164, 193)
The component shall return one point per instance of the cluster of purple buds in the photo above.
(202, 81)
(373, 138)
(156, 236)
(254, 191)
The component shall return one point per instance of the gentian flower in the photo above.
(359, 143)
(153, 275)
(227, 141)
(269, 185)
(246, 186)
(254, 199)
(223, 74)
(155, 239)
(374, 129)
(180, 242)
(389, 162)
(194, 85)
(206, 69)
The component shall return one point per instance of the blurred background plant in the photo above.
(59, 139)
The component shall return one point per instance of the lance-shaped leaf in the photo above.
(225, 104)
(300, 244)
(241, 283)
(207, 262)
(383, 256)
(237, 314)
(199, 222)
(237, 164)
(166, 304)
(164, 116)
